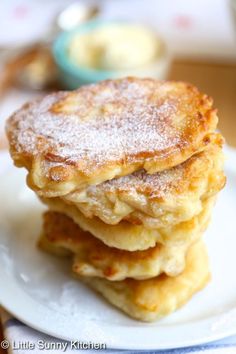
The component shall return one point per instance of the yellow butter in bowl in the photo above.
(115, 47)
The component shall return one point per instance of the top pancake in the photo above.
(69, 140)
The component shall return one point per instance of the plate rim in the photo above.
(151, 341)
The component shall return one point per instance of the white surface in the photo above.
(201, 29)
(194, 28)
(38, 288)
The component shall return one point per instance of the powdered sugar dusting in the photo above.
(156, 185)
(115, 121)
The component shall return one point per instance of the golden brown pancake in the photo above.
(61, 236)
(151, 299)
(126, 236)
(159, 200)
(69, 140)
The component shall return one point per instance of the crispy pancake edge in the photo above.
(52, 174)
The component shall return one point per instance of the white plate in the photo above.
(38, 288)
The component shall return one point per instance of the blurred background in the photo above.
(48, 45)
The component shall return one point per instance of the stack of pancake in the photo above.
(129, 170)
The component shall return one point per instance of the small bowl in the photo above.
(73, 76)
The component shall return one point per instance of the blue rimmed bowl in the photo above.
(73, 75)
